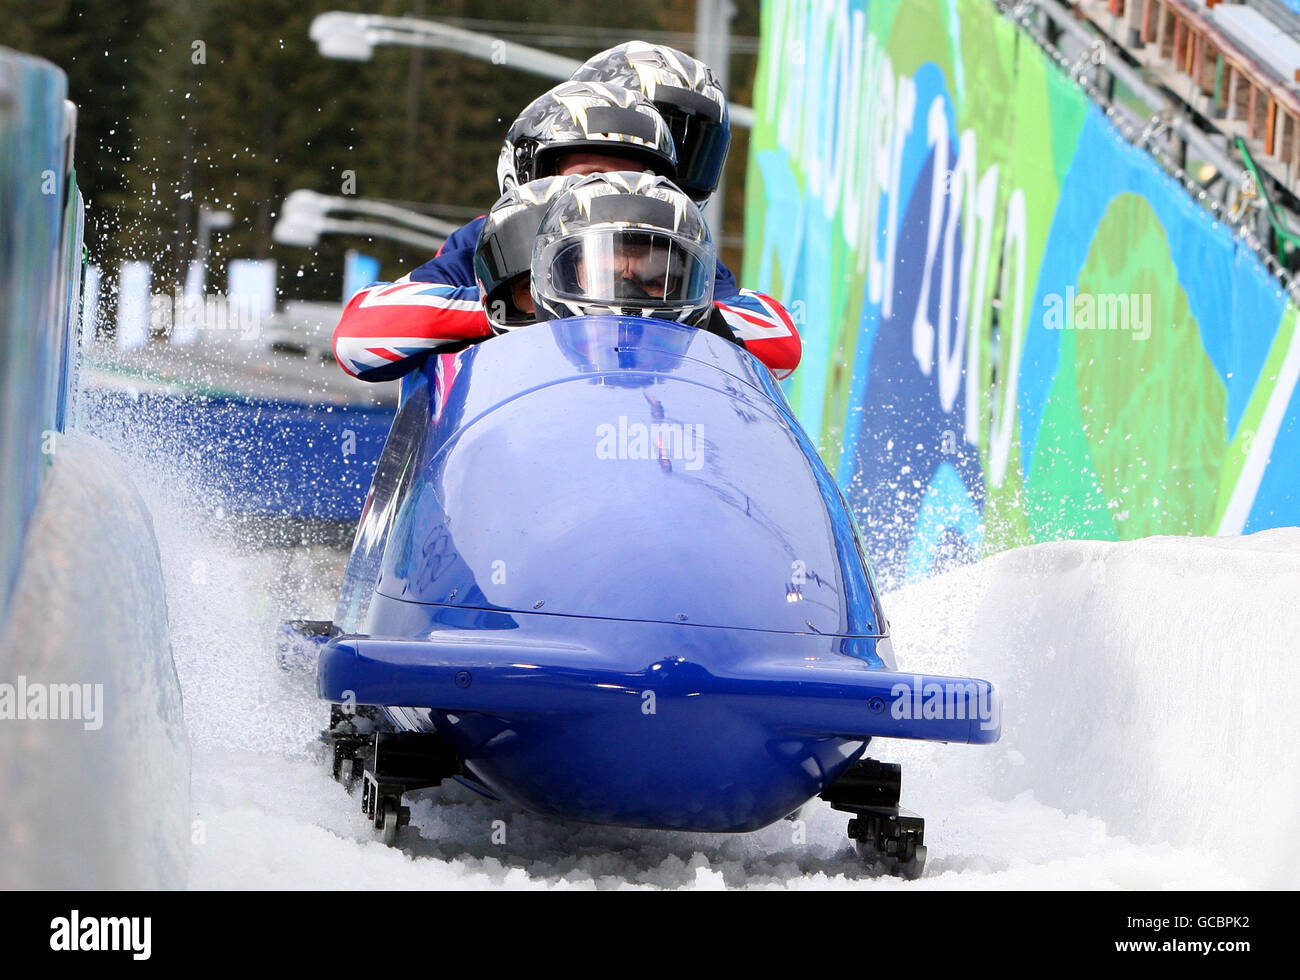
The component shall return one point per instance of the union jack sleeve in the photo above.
(387, 328)
(766, 329)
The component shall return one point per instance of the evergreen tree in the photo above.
(99, 48)
(227, 104)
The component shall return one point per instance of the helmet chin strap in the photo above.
(695, 319)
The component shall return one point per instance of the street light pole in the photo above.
(354, 37)
(305, 216)
(713, 47)
(185, 330)
(196, 275)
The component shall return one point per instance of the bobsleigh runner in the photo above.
(602, 575)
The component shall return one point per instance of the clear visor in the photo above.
(629, 266)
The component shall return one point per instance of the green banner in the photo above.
(1016, 326)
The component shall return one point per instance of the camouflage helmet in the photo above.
(504, 252)
(591, 117)
(687, 94)
(629, 244)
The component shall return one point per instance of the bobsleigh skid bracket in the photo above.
(298, 642)
(388, 765)
(884, 834)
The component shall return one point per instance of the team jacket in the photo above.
(388, 328)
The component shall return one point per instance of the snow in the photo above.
(1149, 739)
(91, 805)
(1147, 683)
(1145, 717)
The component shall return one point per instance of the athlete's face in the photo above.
(642, 270)
(595, 163)
(522, 296)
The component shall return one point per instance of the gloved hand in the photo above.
(717, 324)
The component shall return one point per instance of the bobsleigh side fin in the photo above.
(470, 671)
(893, 704)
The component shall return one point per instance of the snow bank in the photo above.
(1147, 683)
(93, 802)
(1148, 741)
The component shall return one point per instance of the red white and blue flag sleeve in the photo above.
(386, 328)
(766, 329)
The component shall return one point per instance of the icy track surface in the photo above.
(1150, 738)
(1147, 721)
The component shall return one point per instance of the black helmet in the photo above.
(584, 116)
(687, 95)
(504, 252)
(630, 244)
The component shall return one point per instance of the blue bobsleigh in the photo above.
(603, 575)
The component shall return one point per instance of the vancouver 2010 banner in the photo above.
(1017, 327)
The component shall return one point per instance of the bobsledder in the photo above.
(621, 640)
(603, 575)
